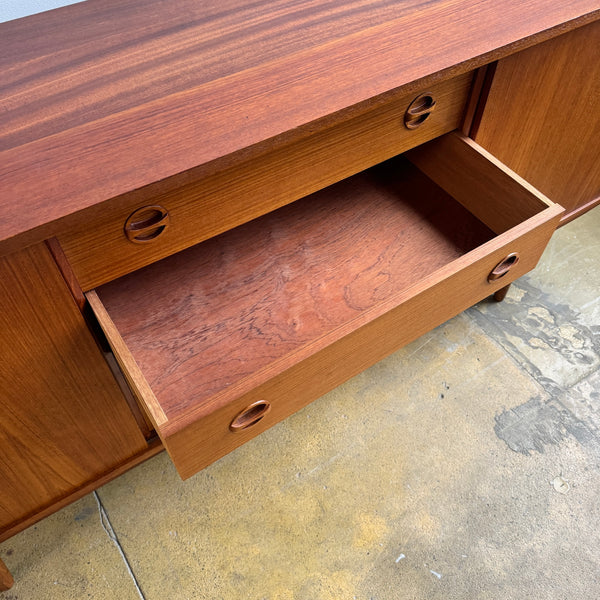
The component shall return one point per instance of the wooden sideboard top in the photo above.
(102, 98)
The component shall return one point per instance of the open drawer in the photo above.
(226, 338)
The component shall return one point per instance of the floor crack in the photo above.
(108, 528)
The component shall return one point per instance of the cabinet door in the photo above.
(63, 419)
(542, 117)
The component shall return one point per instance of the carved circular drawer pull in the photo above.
(503, 267)
(419, 110)
(146, 224)
(250, 416)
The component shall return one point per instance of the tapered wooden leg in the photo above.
(6, 579)
(501, 293)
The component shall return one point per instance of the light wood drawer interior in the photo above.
(257, 322)
(206, 206)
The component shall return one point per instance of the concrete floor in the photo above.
(465, 466)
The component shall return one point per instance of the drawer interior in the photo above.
(211, 323)
(228, 307)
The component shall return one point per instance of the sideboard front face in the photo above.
(474, 226)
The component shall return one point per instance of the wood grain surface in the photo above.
(102, 98)
(64, 420)
(199, 437)
(100, 252)
(542, 117)
(242, 317)
(479, 181)
(138, 46)
(153, 448)
(216, 313)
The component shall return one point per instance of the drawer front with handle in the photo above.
(145, 228)
(227, 338)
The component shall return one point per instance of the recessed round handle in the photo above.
(503, 267)
(146, 224)
(250, 416)
(418, 111)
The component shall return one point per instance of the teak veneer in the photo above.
(553, 106)
(59, 398)
(212, 330)
(61, 159)
(214, 213)
(254, 187)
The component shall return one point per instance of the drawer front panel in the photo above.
(217, 350)
(102, 251)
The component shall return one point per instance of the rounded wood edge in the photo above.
(129, 367)
(578, 211)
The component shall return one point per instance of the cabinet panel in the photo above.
(542, 117)
(63, 419)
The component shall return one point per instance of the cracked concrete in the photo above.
(463, 466)
(67, 556)
(110, 532)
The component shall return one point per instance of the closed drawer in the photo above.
(206, 206)
(227, 338)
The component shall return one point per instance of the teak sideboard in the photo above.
(214, 213)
